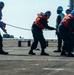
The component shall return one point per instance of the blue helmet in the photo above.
(60, 8)
(68, 11)
(1, 4)
(72, 13)
(48, 13)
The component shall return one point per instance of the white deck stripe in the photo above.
(57, 69)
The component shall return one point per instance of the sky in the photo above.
(22, 13)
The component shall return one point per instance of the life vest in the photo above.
(66, 20)
(37, 21)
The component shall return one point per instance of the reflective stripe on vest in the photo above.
(66, 20)
(37, 22)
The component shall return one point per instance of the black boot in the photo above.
(31, 52)
(57, 50)
(63, 53)
(3, 52)
(43, 53)
(70, 52)
(70, 55)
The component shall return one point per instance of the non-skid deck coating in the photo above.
(19, 62)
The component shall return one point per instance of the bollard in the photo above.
(19, 43)
(29, 43)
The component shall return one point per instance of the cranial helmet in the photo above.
(48, 13)
(60, 8)
(1, 4)
(72, 13)
(68, 11)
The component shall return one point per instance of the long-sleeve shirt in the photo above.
(43, 21)
(1, 26)
(59, 19)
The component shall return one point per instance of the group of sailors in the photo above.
(64, 30)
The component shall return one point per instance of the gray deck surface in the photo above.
(19, 62)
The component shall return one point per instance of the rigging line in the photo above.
(22, 28)
(17, 27)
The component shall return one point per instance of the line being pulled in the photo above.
(17, 27)
(22, 28)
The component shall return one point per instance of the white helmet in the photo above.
(60, 8)
(1, 4)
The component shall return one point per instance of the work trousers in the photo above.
(38, 36)
(59, 41)
(66, 36)
(1, 45)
